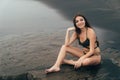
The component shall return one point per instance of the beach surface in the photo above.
(33, 31)
(27, 56)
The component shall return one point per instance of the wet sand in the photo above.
(23, 53)
(27, 56)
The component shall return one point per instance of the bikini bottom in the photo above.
(85, 51)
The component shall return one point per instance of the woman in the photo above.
(89, 55)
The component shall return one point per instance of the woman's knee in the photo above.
(86, 62)
(65, 46)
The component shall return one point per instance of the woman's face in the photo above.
(80, 22)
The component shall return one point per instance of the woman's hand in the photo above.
(71, 28)
(78, 63)
(70, 39)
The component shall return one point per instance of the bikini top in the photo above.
(86, 43)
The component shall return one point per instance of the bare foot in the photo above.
(52, 69)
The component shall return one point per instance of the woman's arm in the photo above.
(69, 40)
(92, 38)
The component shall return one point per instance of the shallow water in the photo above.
(31, 29)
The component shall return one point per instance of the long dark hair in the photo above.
(78, 30)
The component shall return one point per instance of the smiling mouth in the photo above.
(80, 25)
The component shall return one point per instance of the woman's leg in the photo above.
(64, 49)
(93, 60)
(70, 62)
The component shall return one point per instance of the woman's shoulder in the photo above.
(91, 31)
